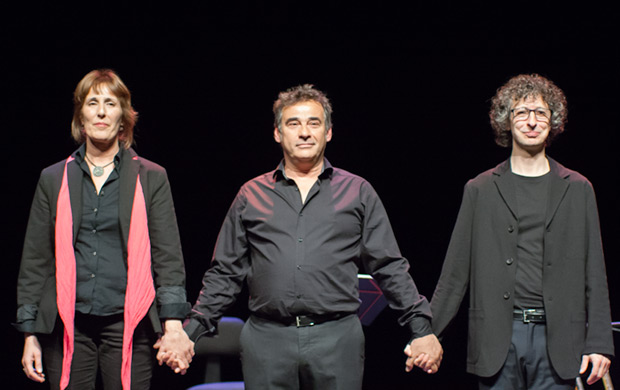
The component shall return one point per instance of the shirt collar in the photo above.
(81, 152)
(279, 173)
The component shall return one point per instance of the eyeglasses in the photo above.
(523, 113)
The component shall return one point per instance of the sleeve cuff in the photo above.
(196, 330)
(171, 294)
(25, 326)
(174, 310)
(420, 327)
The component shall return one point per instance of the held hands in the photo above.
(424, 352)
(31, 359)
(175, 348)
(600, 366)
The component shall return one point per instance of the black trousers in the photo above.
(527, 365)
(97, 354)
(328, 356)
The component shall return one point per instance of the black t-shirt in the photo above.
(531, 209)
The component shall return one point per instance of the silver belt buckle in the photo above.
(525, 313)
(299, 324)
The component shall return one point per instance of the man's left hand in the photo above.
(600, 366)
(424, 352)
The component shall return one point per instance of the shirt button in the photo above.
(299, 267)
(94, 230)
(300, 239)
(95, 253)
(506, 295)
(509, 261)
(95, 210)
(92, 275)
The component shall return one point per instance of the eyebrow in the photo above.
(537, 107)
(107, 99)
(312, 118)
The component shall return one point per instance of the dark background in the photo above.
(410, 86)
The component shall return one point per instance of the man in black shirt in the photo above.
(527, 244)
(298, 236)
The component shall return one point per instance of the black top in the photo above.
(303, 258)
(36, 286)
(101, 270)
(532, 198)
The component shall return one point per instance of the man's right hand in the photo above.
(424, 352)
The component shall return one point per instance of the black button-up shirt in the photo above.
(303, 258)
(101, 270)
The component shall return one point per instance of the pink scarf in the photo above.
(139, 294)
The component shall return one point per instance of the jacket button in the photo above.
(511, 228)
(506, 295)
(510, 261)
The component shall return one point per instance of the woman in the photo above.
(102, 265)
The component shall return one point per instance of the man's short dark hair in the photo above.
(302, 93)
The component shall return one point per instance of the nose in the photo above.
(101, 111)
(304, 133)
(531, 119)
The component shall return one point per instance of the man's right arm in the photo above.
(454, 279)
(224, 280)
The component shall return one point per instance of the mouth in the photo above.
(101, 125)
(531, 134)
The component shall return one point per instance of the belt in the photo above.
(307, 320)
(530, 315)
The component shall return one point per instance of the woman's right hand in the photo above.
(31, 360)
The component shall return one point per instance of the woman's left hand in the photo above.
(175, 348)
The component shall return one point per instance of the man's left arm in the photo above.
(599, 338)
(382, 258)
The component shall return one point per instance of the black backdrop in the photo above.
(410, 86)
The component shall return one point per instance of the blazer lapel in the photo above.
(128, 176)
(75, 176)
(558, 185)
(505, 186)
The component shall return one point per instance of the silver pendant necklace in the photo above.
(97, 170)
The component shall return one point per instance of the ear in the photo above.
(276, 135)
(328, 135)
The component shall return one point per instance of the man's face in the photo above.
(530, 123)
(302, 132)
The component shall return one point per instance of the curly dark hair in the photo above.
(521, 87)
(301, 93)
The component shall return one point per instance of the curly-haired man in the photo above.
(527, 245)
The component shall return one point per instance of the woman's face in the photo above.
(101, 116)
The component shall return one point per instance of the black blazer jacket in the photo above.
(36, 288)
(482, 257)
